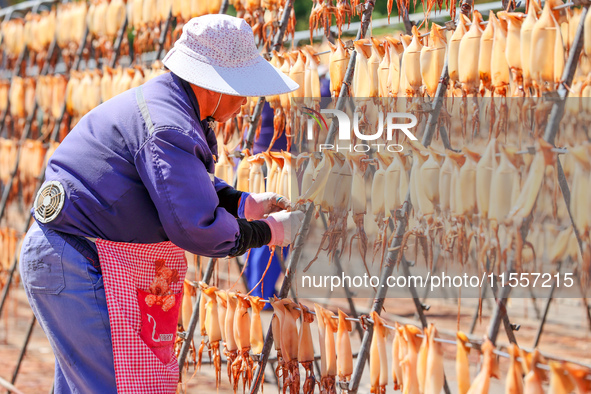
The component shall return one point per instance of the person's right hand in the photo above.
(284, 226)
(259, 205)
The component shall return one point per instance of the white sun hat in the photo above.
(217, 52)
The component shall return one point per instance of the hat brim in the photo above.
(258, 79)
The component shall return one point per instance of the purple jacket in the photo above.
(144, 173)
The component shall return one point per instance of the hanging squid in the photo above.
(344, 352)
(230, 345)
(358, 203)
(242, 367)
(306, 350)
(212, 328)
(378, 358)
(328, 368)
(481, 383)
(462, 363)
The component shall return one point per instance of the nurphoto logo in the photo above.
(391, 121)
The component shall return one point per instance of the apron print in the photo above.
(163, 337)
(161, 294)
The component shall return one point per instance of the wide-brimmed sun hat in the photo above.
(217, 52)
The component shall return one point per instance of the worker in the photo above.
(126, 193)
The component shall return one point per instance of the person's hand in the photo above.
(259, 205)
(284, 227)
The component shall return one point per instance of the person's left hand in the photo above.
(259, 205)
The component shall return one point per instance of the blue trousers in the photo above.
(67, 296)
(255, 266)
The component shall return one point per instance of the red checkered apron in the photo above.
(143, 287)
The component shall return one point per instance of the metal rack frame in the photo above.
(277, 42)
(258, 109)
(16, 72)
(299, 242)
(549, 136)
(402, 215)
(392, 256)
(24, 6)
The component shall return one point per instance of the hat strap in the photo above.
(218, 104)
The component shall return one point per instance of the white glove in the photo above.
(284, 227)
(259, 205)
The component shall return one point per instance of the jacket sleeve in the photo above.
(220, 184)
(171, 166)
